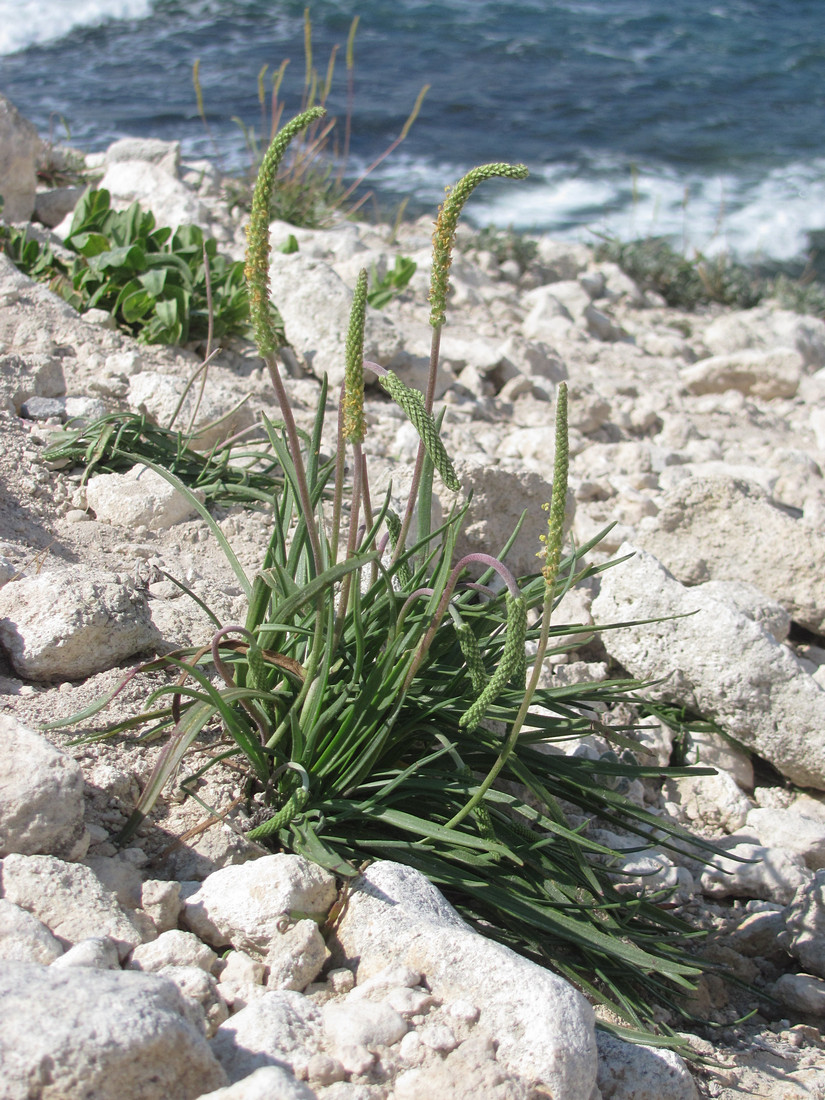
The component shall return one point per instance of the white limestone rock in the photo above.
(767, 327)
(803, 993)
(543, 1026)
(499, 498)
(751, 871)
(152, 183)
(296, 956)
(468, 1073)
(753, 603)
(766, 374)
(712, 802)
(725, 529)
(219, 412)
(630, 1071)
(315, 303)
(202, 990)
(20, 147)
(139, 498)
(283, 1029)
(561, 259)
(41, 796)
(23, 938)
(711, 750)
(103, 1034)
(94, 953)
(69, 899)
(266, 1083)
(72, 623)
(32, 375)
(362, 1023)
(160, 900)
(173, 948)
(250, 905)
(758, 935)
(804, 935)
(718, 662)
(120, 876)
(790, 830)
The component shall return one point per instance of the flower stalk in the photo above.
(552, 543)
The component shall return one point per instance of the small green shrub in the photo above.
(655, 265)
(311, 189)
(505, 244)
(394, 282)
(152, 280)
(379, 697)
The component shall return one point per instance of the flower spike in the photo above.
(445, 227)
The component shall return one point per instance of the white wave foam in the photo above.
(751, 217)
(36, 21)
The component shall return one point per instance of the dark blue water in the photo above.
(703, 121)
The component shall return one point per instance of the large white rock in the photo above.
(69, 899)
(251, 905)
(139, 498)
(146, 171)
(219, 414)
(773, 373)
(172, 948)
(544, 1027)
(41, 796)
(766, 327)
(32, 375)
(752, 871)
(99, 1035)
(315, 304)
(23, 938)
(19, 149)
(725, 529)
(629, 1071)
(790, 831)
(712, 802)
(801, 993)
(72, 623)
(281, 1029)
(716, 661)
(499, 498)
(804, 935)
(266, 1083)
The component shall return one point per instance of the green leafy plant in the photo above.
(236, 471)
(156, 283)
(393, 283)
(379, 694)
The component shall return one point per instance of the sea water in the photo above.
(703, 122)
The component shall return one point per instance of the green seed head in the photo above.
(445, 227)
(412, 402)
(355, 425)
(552, 541)
(257, 233)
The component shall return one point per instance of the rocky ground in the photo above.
(183, 964)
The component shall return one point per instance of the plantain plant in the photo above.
(380, 699)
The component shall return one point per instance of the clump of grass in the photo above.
(379, 698)
(505, 244)
(689, 283)
(236, 471)
(312, 187)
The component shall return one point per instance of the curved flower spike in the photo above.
(445, 227)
